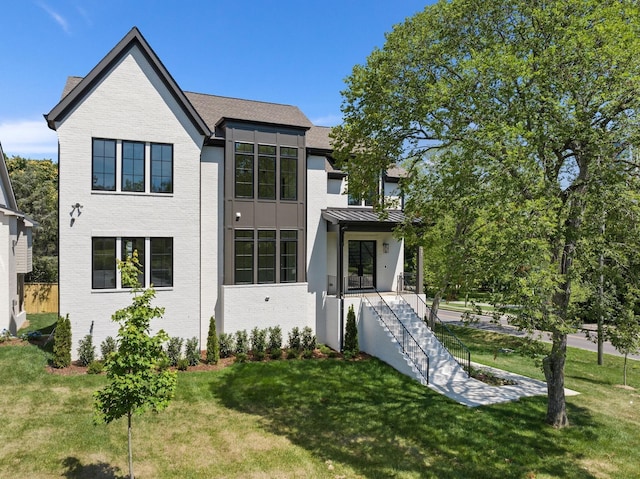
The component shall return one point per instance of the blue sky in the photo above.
(284, 51)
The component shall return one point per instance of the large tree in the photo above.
(539, 99)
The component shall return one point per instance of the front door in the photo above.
(362, 265)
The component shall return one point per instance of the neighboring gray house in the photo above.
(234, 206)
(15, 254)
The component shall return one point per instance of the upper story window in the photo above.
(161, 168)
(258, 169)
(120, 165)
(104, 165)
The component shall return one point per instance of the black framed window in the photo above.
(103, 263)
(288, 256)
(161, 250)
(266, 172)
(161, 168)
(129, 245)
(103, 165)
(288, 173)
(243, 170)
(243, 257)
(132, 166)
(266, 256)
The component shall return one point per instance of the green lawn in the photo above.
(320, 419)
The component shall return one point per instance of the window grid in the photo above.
(288, 173)
(243, 257)
(161, 168)
(266, 256)
(132, 166)
(288, 256)
(103, 165)
(103, 263)
(266, 172)
(161, 262)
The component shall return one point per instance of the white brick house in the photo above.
(234, 207)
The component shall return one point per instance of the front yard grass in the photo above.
(320, 419)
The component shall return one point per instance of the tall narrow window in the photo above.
(129, 245)
(104, 165)
(162, 261)
(243, 170)
(132, 166)
(266, 256)
(288, 256)
(288, 173)
(103, 263)
(243, 257)
(266, 172)
(161, 168)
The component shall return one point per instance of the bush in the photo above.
(275, 353)
(213, 346)
(351, 334)
(182, 364)
(226, 345)
(174, 350)
(308, 341)
(95, 367)
(86, 351)
(292, 353)
(294, 339)
(62, 343)
(242, 342)
(241, 357)
(258, 341)
(107, 347)
(192, 351)
(275, 338)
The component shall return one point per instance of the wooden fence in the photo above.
(41, 297)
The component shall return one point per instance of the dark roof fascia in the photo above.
(134, 37)
(319, 151)
(6, 182)
(215, 141)
(223, 120)
(383, 223)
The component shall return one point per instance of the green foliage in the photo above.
(174, 350)
(292, 353)
(35, 184)
(62, 343)
(241, 357)
(275, 338)
(308, 339)
(227, 345)
(86, 350)
(137, 380)
(183, 364)
(295, 341)
(192, 351)
(258, 340)
(242, 342)
(95, 367)
(351, 333)
(107, 347)
(213, 346)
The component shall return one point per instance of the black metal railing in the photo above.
(406, 282)
(447, 338)
(401, 334)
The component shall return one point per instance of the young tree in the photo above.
(213, 346)
(137, 373)
(539, 100)
(351, 334)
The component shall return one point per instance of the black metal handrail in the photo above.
(407, 342)
(447, 338)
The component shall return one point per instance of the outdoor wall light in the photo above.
(267, 298)
(385, 247)
(238, 216)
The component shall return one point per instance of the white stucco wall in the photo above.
(266, 305)
(5, 273)
(131, 103)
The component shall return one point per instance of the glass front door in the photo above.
(362, 265)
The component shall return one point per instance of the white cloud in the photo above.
(29, 139)
(59, 19)
(328, 120)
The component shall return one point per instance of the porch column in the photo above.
(420, 271)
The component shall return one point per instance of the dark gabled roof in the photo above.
(81, 88)
(6, 184)
(362, 216)
(317, 138)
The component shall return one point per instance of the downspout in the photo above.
(341, 283)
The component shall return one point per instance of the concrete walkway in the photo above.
(473, 393)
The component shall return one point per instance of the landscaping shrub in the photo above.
(62, 343)
(182, 364)
(86, 350)
(242, 342)
(351, 334)
(174, 350)
(107, 347)
(274, 343)
(308, 339)
(258, 341)
(213, 346)
(95, 367)
(241, 357)
(292, 353)
(192, 351)
(294, 339)
(226, 345)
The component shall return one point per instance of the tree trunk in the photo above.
(554, 373)
(130, 446)
(435, 305)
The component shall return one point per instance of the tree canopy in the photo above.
(537, 102)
